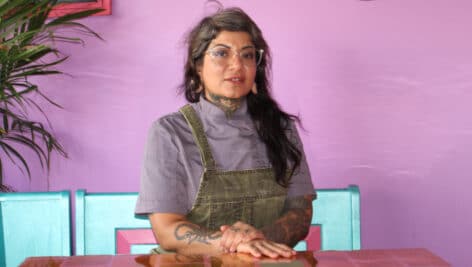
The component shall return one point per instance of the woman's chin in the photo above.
(235, 95)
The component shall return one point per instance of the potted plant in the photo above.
(27, 50)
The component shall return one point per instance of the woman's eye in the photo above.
(220, 53)
(248, 55)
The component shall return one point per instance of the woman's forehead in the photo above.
(232, 39)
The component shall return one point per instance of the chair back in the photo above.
(34, 224)
(106, 224)
(335, 224)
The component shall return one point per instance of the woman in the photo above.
(227, 173)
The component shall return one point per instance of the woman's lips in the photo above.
(235, 79)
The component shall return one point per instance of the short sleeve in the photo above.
(301, 182)
(162, 187)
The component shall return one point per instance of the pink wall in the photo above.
(383, 88)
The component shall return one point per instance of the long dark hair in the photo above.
(271, 122)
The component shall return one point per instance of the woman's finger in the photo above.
(249, 235)
(284, 247)
(272, 249)
(280, 249)
(225, 234)
(236, 233)
(236, 241)
(224, 228)
(250, 249)
(226, 240)
(266, 249)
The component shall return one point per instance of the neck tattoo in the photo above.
(228, 105)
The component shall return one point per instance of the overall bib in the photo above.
(224, 197)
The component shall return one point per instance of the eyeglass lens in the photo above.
(250, 57)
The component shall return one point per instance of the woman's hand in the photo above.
(263, 247)
(236, 234)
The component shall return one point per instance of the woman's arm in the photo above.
(295, 222)
(176, 233)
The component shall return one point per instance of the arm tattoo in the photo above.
(295, 222)
(228, 105)
(194, 233)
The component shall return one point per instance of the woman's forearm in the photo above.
(294, 224)
(189, 239)
(175, 233)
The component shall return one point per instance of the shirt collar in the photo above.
(212, 110)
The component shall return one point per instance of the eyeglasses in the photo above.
(250, 57)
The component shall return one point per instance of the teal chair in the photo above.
(106, 224)
(336, 221)
(34, 224)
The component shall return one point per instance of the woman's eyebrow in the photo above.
(248, 46)
(228, 46)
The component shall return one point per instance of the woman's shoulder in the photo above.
(169, 118)
(170, 123)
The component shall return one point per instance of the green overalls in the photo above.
(224, 197)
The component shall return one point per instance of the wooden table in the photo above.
(359, 258)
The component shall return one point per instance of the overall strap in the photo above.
(199, 135)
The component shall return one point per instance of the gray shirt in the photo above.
(172, 166)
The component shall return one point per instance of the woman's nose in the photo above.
(236, 61)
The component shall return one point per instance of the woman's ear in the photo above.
(199, 72)
(200, 84)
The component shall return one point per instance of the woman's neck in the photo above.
(228, 105)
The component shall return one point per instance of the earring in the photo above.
(254, 89)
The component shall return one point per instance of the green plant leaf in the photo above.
(9, 149)
(74, 16)
(28, 48)
(30, 143)
(49, 100)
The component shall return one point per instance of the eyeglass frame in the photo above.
(261, 51)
